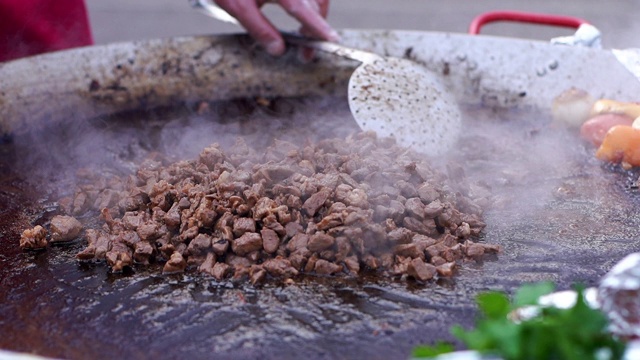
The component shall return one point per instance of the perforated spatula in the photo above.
(391, 96)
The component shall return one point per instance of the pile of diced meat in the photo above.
(335, 207)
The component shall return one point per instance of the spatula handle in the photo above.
(334, 48)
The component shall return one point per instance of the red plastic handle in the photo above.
(525, 17)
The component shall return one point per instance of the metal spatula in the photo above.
(391, 96)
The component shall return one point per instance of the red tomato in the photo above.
(596, 128)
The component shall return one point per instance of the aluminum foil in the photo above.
(619, 295)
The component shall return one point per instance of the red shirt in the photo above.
(29, 27)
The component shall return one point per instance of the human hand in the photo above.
(310, 13)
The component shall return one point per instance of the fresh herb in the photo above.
(577, 333)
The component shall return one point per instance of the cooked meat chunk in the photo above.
(119, 256)
(247, 243)
(270, 240)
(324, 267)
(35, 238)
(64, 228)
(320, 241)
(475, 250)
(316, 201)
(421, 270)
(175, 264)
(257, 275)
(446, 269)
(279, 267)
(220, 270)
(243, 225)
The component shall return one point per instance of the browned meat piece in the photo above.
(428, 193)
(357, 198)
(437, 261)
(80, 203)
(175, 264)
(420, 270)
(220, 246)
(316, 201)
(119, 257)
(272, 223)
(292, 229)
(184, 203)
(247, 243)
(387, 260)
(450, 216)
(99, 243)
(299, 241)
(320, 241)
(257, 275)
(243, 225)
(106, 199)
(311, 263)
(64, 228)
(415, 208)
(220, 270)
(423, 241)
(132, 220)
(400, 236)
(353, 265)
(436, 250)
(211, 156)
(35, 238)
(409, 250)
(279, 267)
(148, 231)
(463, 231)
(298, 258)
(128, 238)
(425, 227)
(198, 249)
(324, 267)
(263, 208)
(446, 269)
(189, 234)
(208, 264)
(205, 215)
(449, 240)
(492, 249)
(433, 209)
(406, 189)
(357, 217)
(135, 200)
(475, 250)
(330, 221)
(142, 252)
(371, 261)
(343, 246)
(270, 240)
(172, 217)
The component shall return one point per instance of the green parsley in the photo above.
(577, 333)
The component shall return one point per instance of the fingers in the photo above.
(311, 14)
(251, 18)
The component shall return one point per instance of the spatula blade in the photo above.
(402, 99)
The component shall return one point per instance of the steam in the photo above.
(117, 144)
(518, 158)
